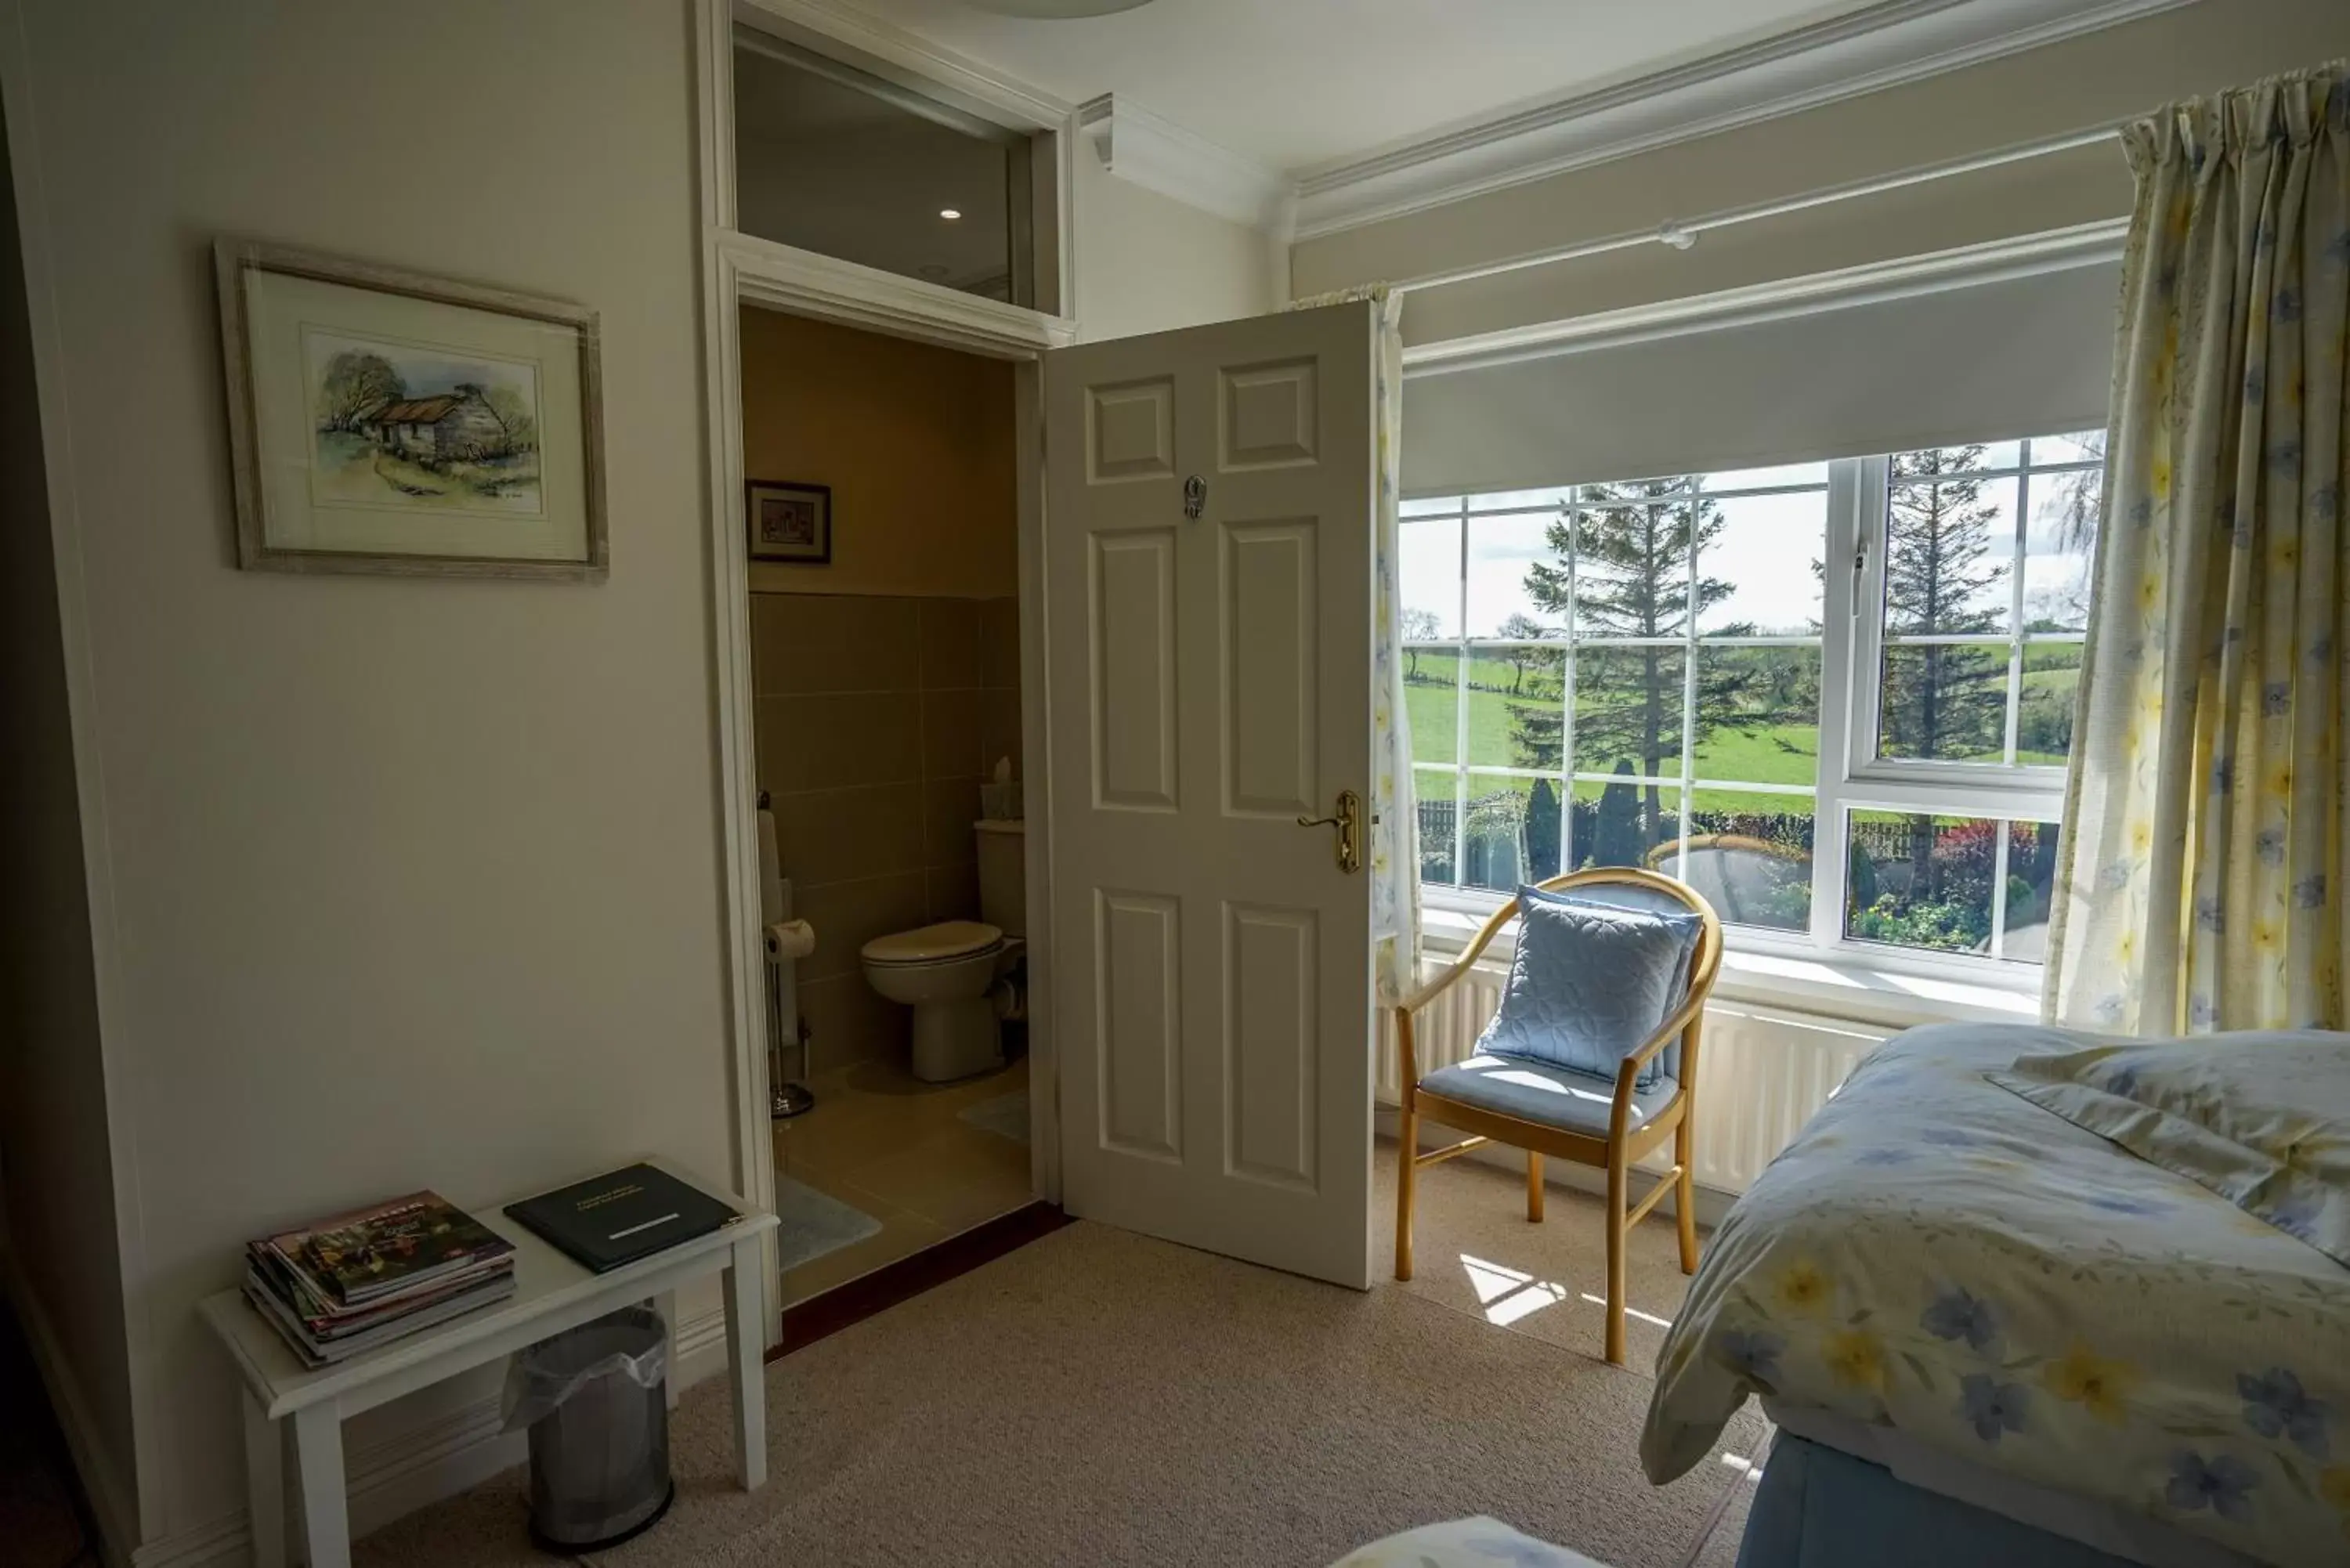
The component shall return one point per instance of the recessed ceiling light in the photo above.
(950, 214)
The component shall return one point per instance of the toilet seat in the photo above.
(949, 942)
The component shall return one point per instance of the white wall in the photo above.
(2082, 82)
(1147, 263)
(416, 882)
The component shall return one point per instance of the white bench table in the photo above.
(551, 1294)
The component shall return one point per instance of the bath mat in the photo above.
(814, 1223)
(1006, 1116)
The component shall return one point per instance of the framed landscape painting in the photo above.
(789, 522)
(386, 421)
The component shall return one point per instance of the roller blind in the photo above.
(2021, 355)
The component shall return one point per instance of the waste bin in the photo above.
(596, 1399)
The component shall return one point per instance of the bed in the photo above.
(1968, 1314)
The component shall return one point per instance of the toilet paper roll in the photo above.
(789, 940)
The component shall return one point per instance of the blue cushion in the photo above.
(1590, 981)
(1536, 1092)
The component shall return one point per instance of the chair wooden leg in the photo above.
(1533, 1186)
(1617, 1180)
(1685, 1195)
(1407, 1172)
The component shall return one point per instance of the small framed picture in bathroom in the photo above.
(789, 522)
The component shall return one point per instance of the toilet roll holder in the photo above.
(787, 1098)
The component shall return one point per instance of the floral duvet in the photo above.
(1939, 1255)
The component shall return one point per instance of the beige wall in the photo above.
(2082, 82)
(415, 881)
(56, 1154)
(915, 440)
(878, 716)
(1146, 264)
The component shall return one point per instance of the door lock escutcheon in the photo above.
(1195, 497)
(1347, 821)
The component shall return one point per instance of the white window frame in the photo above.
(1850, 777)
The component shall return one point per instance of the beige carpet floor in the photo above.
(1099, 1398)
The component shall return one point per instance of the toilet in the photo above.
(948, 973)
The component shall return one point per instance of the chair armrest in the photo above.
(1627, 1071)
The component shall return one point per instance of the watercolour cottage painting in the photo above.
(403, 425)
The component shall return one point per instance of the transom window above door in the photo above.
(1741, 676)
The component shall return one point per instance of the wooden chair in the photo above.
(1634, 1124)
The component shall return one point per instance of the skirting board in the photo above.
(416, 1469)
(1711, 1204)
(109, 1498)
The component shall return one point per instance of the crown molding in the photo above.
(1883, 45)
(910, 59)
(1159, 155)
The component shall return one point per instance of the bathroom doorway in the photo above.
(882, 510)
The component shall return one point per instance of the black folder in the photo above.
(617, 1218)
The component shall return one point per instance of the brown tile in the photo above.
(840, 740)
(956, 1178)
(849, 1020)
(948, 808)
(797, 641)
(951, 731)
(999, 644)
(846, 834)
(810, 840)
(999, 731)
(847, 914)
(949, 645)
(951, 892)
(884, 650)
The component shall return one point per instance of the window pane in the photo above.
(2044, 725)
(1428, 504)
(2030, 880)
(1759, 478)
(1918, 881)
(1628, 710)
(1517, 706)
(1517, 575)
(1759, 564)
(2059, 547)
(1758, 715)
(1943, 701)
(1428, 560)
(1948, 548)
(1621, 824)
(1633, 568)
(2083, 446)
(1751, 856)
(1941, 460)
(1431, 704)
(1496, 846)
(1436, 814)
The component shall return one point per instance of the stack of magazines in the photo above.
(350, 1283)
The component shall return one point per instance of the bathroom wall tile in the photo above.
(798, 640)
(847, 914)
(882, 647)
(998, 730)
(847, 1020)
(836, 740)
(949, 645)
(847, 834)
(948, 808)
(999, 643)
(950, 732)
(951, 892)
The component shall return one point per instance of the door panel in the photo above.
(1208, 683)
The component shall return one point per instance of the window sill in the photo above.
(1853, 990)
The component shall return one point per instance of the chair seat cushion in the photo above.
(1590, 982)
(1542, 1092)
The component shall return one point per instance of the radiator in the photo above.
(1762, 1073)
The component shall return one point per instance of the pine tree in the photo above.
(1941, 700)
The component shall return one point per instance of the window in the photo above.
(1665, 674)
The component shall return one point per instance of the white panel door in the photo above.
(1209, 684)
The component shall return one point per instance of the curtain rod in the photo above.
(1682, 235)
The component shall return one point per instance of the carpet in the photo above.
(1006, 1116)
(1099, 1398)
(811, 1223)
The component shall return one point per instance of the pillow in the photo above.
(1479, 1542)
(1589, 983)
(2261, 1118)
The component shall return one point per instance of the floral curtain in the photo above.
(2205, 858)
(1394, 812)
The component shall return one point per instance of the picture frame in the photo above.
(788, 522)
(396, 423)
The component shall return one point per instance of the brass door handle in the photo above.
(1347, 822)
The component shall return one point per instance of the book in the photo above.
(406, 1244)
(325, 1319)
(316, 1352)
(615, 1219)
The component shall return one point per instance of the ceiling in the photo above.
(1298, 84)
